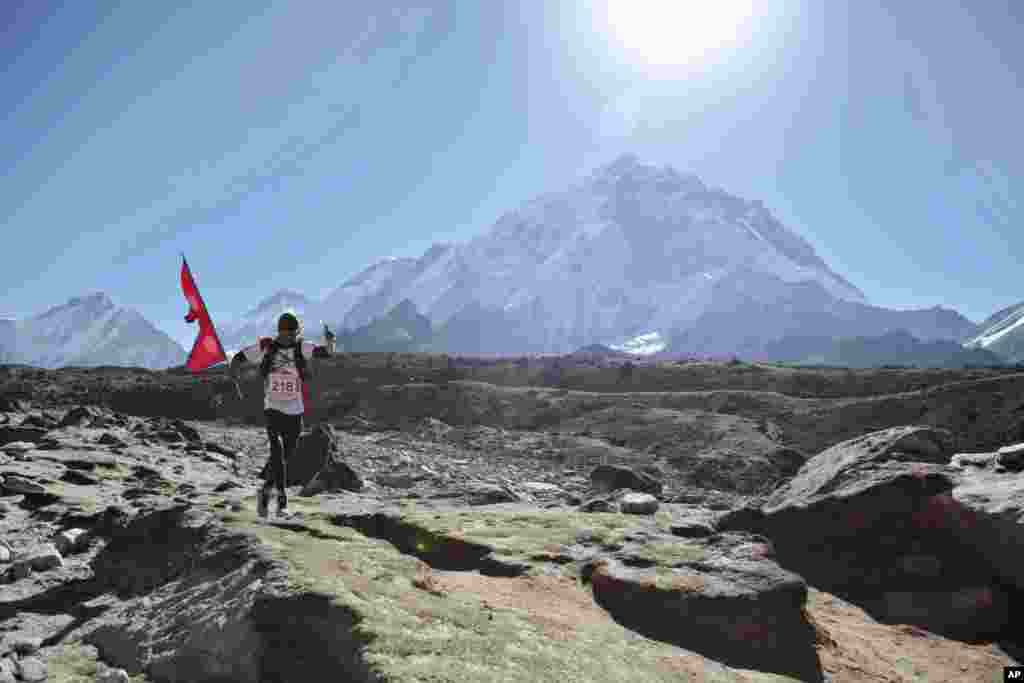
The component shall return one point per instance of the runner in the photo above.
(286, 375)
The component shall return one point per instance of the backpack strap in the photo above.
(300, 361)
(270, 347)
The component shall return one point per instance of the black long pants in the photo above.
(283, 432)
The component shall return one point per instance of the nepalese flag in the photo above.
(207, 349)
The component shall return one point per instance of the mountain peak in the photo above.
(97, 298)
(629, 169)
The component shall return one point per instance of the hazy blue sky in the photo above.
(290, 144)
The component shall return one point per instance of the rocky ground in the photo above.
(454, 529)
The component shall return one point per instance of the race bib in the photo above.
(284, 387)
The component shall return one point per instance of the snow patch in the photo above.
(999, 330)
(642, 345)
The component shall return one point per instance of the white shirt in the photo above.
(283, 365)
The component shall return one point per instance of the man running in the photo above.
(283, 365)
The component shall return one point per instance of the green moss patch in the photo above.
(414, 634)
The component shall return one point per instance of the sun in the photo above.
(677, 32)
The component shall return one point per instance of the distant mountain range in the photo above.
(633, 257)
(898, 348)
(88, 331)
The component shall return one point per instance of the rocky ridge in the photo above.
(132, 550)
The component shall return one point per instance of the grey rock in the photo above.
(543, 489)
(26, 645)
(611, 477)
(81, 415)
(331, 473)
(16, 484)
(10, 433)
(979, 460)
(489, 494)
(17, 447)
(638, 504)
(692, 529)
(742, 612)
(32, 669)
(605, 503)
(398, 480)
(19, 570)
(71, 541)
(12, 405)
(8, 667)
(314, 450)
(113, 676)
(73, 476)
(986, 513)
(1012, 457)
(44, 557)
(108, 439)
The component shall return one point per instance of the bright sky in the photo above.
(289, 144)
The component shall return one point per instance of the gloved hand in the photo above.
(329, 338)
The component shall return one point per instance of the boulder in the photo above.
(71, 541)
(638, 503)
(985, 512)
(542, 489)
(44, 558)
(602, 503)
(611, 477)
(16, 484)
(169, 436)
(108, 439)
(315, 448)
(222, 450)
(31, 669)
(787, 461)
(962, 461)
(81, 416)
(399, 479)
(12, 405)
(318, 466)
(743, 611)
(72, 476)
(8, 670)
(876, 520)
(26, 645)
(42, 421)
(113, 676)
(692, 529)
(1011, 457)
(17, 448)
(334, 476)
(480, 493)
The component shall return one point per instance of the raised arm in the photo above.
(328, 347)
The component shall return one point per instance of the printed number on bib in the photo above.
(284, 387)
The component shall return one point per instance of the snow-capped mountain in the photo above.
(261, 321)
(629, 250)
(91, 330)
(1003, 333)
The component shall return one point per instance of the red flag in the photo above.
(207, 350)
